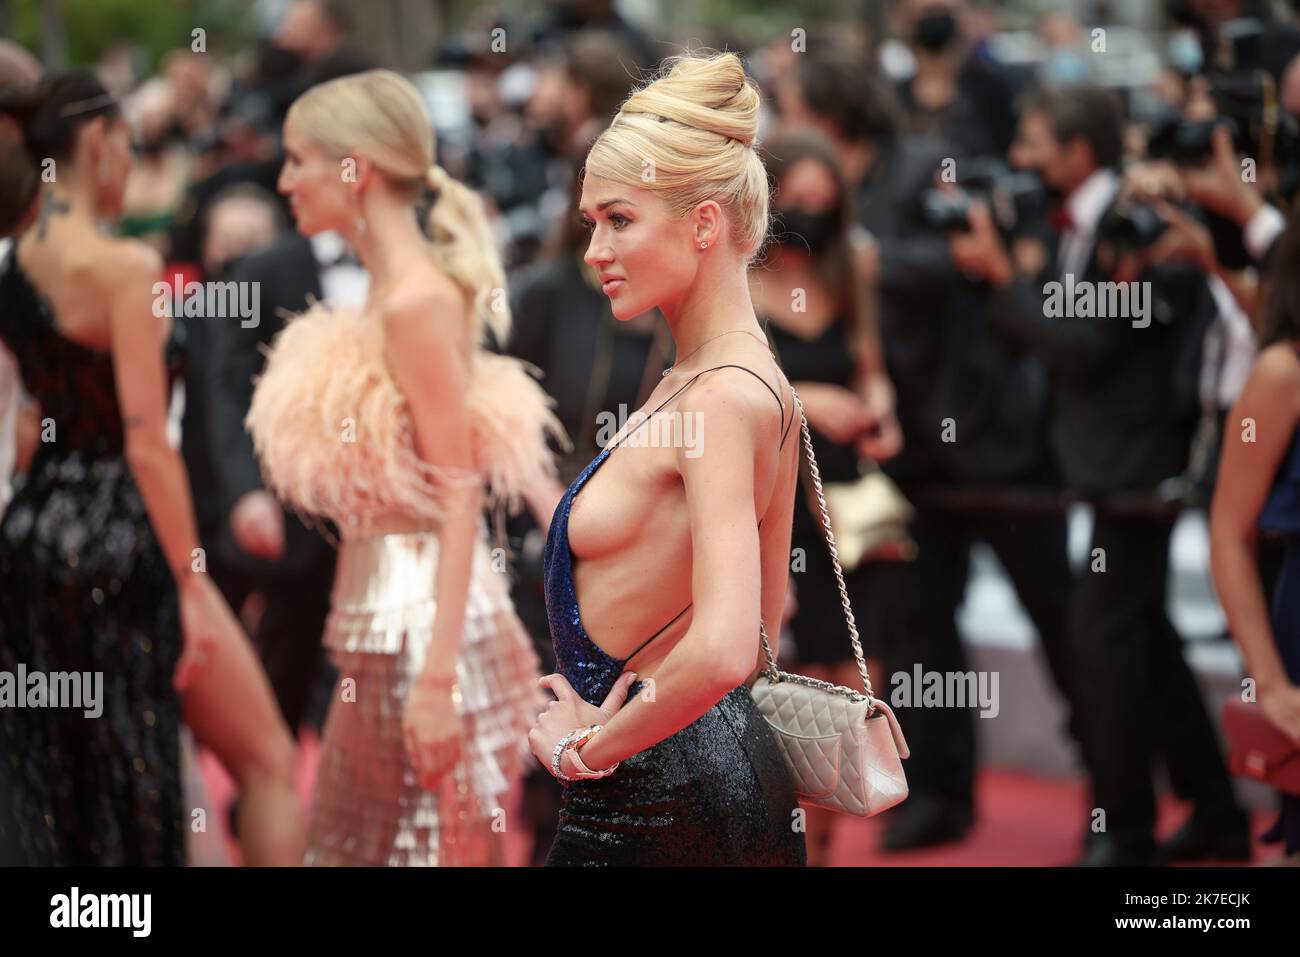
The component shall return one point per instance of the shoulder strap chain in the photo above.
(773, 671)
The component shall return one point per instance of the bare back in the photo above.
(630, 529)
(74, 271)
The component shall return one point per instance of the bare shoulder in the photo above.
(1275, 377)
(115, 262)
(734, 398)
(425, 301)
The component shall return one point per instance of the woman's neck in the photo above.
(389, 243)
(66, 205)
(716, 303)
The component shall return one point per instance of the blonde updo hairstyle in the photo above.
(695, 127)
(380, 115)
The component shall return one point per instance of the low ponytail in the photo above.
(379, 114)
(465, 249)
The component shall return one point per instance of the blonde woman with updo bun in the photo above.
(397, 425)
(664, 756)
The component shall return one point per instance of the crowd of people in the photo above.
(996, 289)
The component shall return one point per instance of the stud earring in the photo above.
(704, 244)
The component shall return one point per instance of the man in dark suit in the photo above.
(293, 562)
(1118, 425)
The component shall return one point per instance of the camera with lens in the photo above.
(1247, 101)
(1248, 109)
(1013, 197)
(1130, 226)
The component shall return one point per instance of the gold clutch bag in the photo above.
(870, 518)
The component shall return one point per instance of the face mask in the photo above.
(801, 229)
(1064, 67)
(934, 31)
(1184, 53)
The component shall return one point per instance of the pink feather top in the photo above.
(335, 438)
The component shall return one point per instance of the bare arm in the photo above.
(542, 501)
(1246, 474)
(425, 335)
(142, 391)
(720, 646)
(27, 431)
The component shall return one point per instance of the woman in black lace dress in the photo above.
(100, 573)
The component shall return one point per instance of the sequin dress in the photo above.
(335, 439)
(85, 588)
(715, 793)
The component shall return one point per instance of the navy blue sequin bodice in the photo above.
(585, 665)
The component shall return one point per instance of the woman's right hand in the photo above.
(1282, 707)
(839, 414)
(431, 729)
(257, 525)
(206, 620)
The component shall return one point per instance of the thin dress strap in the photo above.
(786, 431)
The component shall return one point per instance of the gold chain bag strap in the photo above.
(844, 748)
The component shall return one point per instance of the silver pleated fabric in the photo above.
(368, 808)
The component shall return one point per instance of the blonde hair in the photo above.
(690, 135)
(379, 114)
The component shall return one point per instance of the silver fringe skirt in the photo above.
(368, 808)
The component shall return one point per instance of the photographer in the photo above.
(1118, 428)
(946, 367)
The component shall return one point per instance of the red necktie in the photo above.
(1059, 219)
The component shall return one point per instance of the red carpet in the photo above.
(1022, 820)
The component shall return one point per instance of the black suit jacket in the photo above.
(1122, 398)
(289, 278)
(944, 361)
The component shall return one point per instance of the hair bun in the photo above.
(708, 93)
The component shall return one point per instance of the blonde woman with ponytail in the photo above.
(396, 424)
(664, 755)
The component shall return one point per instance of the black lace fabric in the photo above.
(84, 588)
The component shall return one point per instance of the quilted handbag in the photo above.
(844, 748)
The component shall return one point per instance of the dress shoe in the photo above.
(1104, 850)
(926, 822)
(1203, 838)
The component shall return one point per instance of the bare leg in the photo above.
(230, 709)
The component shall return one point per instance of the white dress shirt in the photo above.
(1085, 207)
(342, 280)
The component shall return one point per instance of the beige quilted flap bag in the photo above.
(844, 748)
